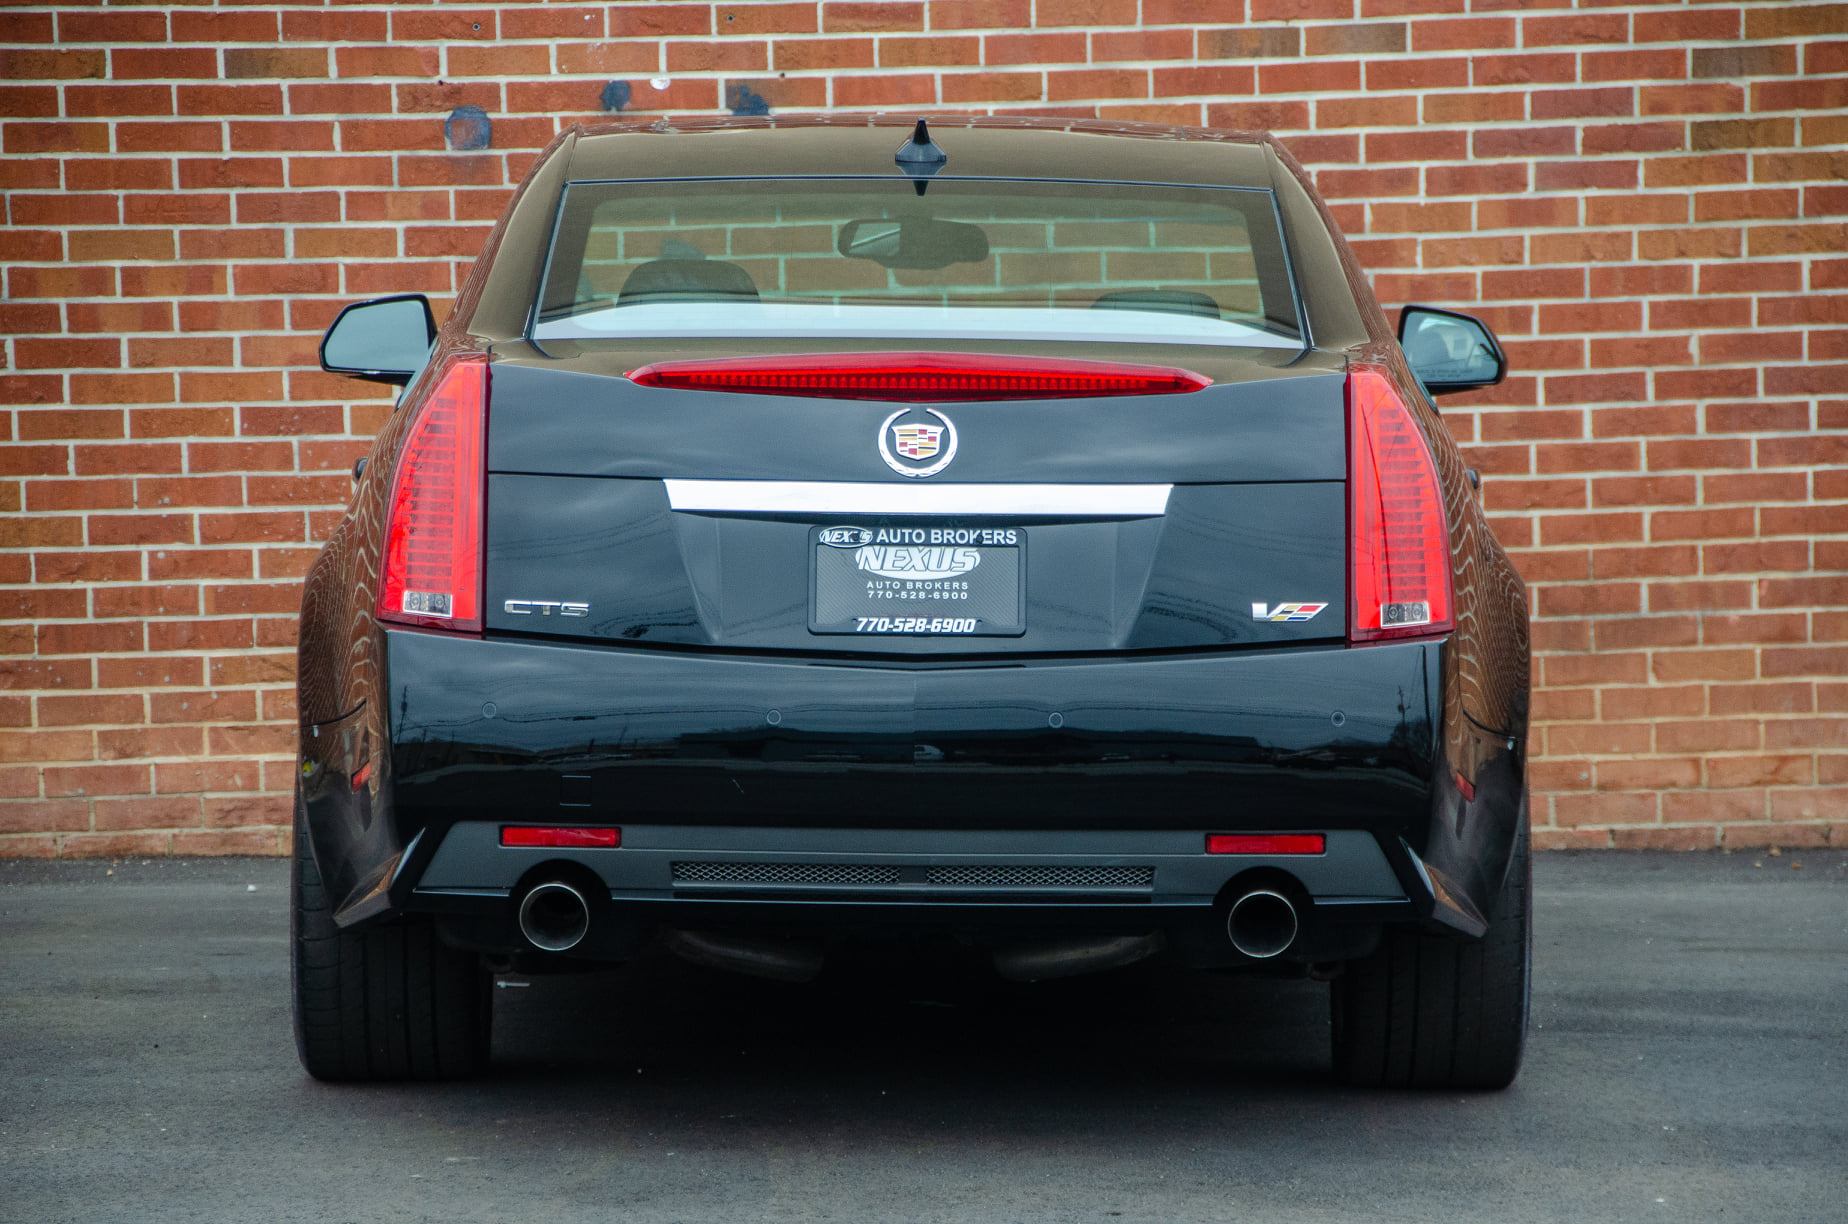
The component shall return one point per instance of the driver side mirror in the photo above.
(1450, 351)
(382, 340)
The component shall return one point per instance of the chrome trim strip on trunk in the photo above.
(840, 497)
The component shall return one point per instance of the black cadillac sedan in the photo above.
(1029, 534)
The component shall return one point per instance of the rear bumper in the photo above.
(994, 887)
(1321, 737)
(659, 863)
(728, 759)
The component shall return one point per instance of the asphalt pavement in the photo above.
(1688, 1061)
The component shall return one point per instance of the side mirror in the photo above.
(382, 340)
(1450, 351)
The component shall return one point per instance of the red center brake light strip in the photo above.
(939, 377)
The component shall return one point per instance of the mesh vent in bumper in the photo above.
(1042, 877)
(877, 875)
(784, 873)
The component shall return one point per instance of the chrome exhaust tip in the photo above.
(1262, 924)
(554, 916)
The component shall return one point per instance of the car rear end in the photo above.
(1015, 551)
(794, 594)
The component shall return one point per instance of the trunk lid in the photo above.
(624, 513)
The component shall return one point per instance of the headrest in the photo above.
(686, 280)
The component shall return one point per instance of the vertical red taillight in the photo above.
(432, 566)
(1398, 540)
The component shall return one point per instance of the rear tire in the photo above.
(386, 1002)
(1441, 1011)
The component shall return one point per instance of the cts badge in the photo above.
(913, 445)
(1286, 611)
(546, 607)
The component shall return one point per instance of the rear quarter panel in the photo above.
(1491, 613)
(344, 733)
(1486, 667)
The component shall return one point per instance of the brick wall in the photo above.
(1647, 200)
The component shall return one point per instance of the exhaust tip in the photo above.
(554, 916)
(1262, 924)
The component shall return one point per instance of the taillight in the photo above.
(1398, 541)
(432, 566)
(941, 377)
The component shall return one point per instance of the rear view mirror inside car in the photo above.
(913, 242)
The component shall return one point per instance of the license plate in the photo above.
(943, 580)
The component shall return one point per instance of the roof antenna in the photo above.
(920, 157)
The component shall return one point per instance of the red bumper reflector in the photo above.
(565, 836)
(941, 377)
(1266, 843)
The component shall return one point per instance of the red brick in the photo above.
(994, 14)
(1633, 64)
(42, 816)
(1701, 25)
(1650, 773)
(614, 57)
(1143, 46)
(146, 813)
(1578, 28)
(1632, 138)
(1679, 837)
(450, 25)
(241, 841)
(1454, 34)
(839, 15)
(1599, 102)
(1525, 142)
(1763, 698)
(1276, 115)
(1703, 99)
(118, 100)
(1791, 806)
(895, 90)
(1708, 735)
(1605, 809)
(19, 64)
(718, 56)
(339, 25)
(136, 63)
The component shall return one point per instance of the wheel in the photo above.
(1441, 1011)
(383, 1003)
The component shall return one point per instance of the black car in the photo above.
(1022, 533)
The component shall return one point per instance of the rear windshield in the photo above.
(967, 259)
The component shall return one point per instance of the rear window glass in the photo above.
(979, 259)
